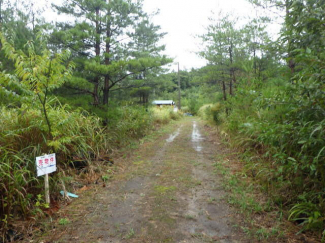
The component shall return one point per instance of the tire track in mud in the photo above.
(119, 207)
(205, 202)
(167, 193)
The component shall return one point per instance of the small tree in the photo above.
(38, 73)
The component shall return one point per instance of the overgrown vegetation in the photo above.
(83, 88)
(40, 115)
(77, 137)
(273, 109)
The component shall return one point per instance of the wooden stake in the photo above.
(47, 189)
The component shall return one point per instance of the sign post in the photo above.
(46, 164)
(47, 189)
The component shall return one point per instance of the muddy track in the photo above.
(169, 191)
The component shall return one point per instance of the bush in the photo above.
(130, 122)
(211, 112)
(23, 136)
(203, 112)
(285, 126)
(163, 115)
(76, 135)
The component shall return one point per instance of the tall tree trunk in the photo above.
(225, 95)
(230, 86)
(97, 51)
(107, 60)
(232, 70)
(224, 91)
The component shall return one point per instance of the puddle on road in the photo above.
(173, 136)
(196, 138)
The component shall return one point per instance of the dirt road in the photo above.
(167, 191)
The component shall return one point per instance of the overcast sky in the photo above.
(184, 19)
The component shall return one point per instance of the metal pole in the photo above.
(179, 89)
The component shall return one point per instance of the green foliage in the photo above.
(203, 111)
(214, 112)
(245, 197)
(130, 123)
(308, 214)
(282, 125)
(164, 115)
(64, 221)
(37, 74)
(276, 109)
(130, 234)
(23, 137)
(102, 59)
(76, 134)
(211, 112)
(19, 22)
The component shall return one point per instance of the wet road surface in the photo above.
(166, 191)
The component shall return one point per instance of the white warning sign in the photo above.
(45, 164)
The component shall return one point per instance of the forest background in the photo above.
(83, 89)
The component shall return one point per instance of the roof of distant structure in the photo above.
(163, 102)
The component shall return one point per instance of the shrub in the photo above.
(203, 112)
(211, 112)
(23, 137)
(164, 115)
(130, 123)
(286, 126)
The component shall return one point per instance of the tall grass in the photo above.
(211, 112)
(77, 135)
(23, 137)
(163, 115)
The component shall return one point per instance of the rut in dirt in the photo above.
(169, 191)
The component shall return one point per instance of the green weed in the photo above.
(164, 189)
(105, 177)
(242, 195)
(64, 221)
(130, 234)
(308, 214)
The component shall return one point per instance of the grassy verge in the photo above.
(264, 219)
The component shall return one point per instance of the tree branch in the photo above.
(129, 86)
(82, 91)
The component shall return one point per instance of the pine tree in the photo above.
(99, 40)
(144, 46)
(223, 50)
